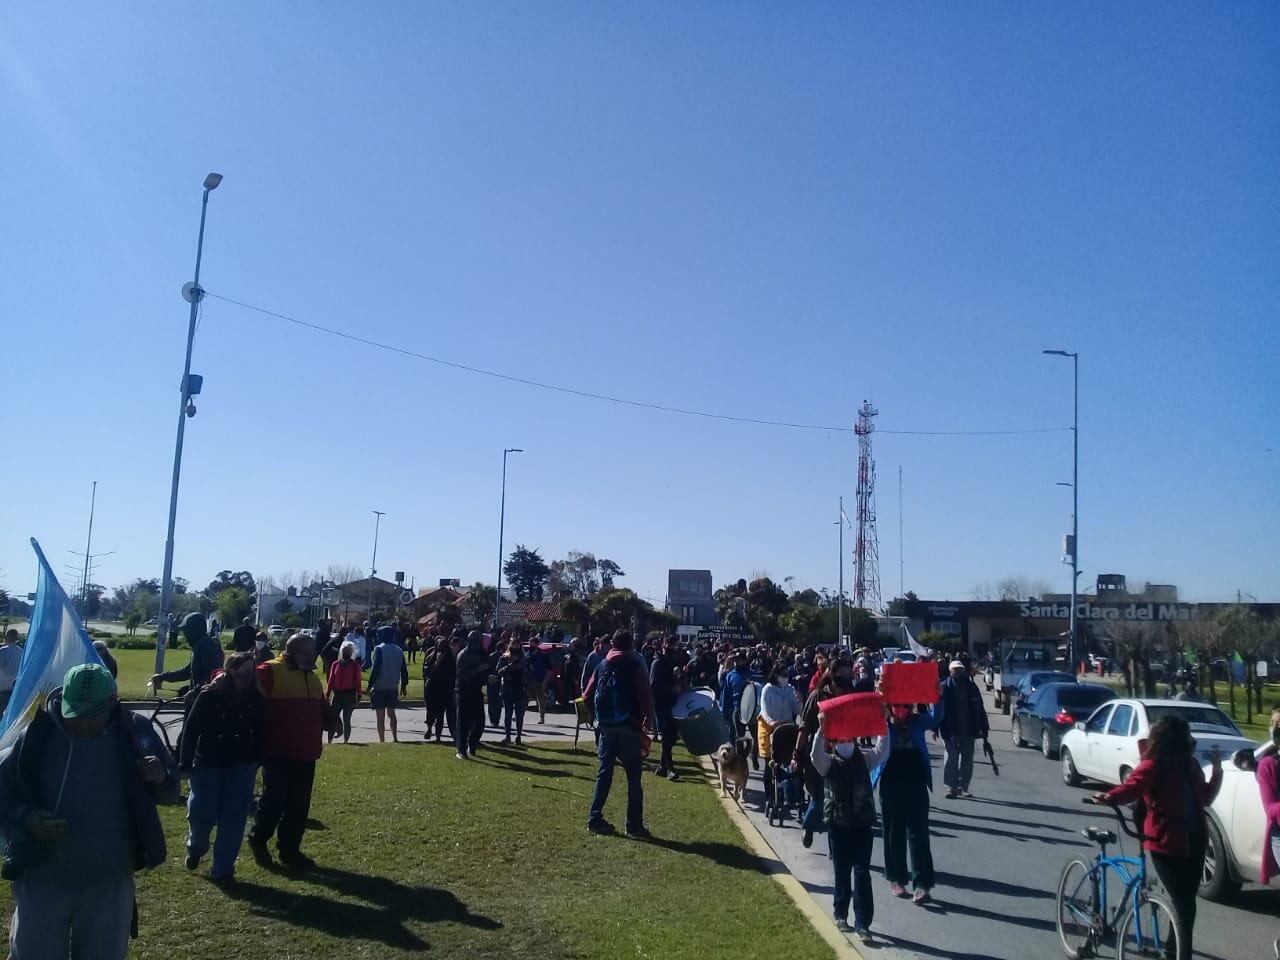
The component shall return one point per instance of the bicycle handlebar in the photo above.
(1115, 808)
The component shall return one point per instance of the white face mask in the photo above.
(845, 750)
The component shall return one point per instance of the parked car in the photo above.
(1029, 683)
(1015, 659)
(1108, 745)
(275, 631)
(1237, 832)
(1052, 710)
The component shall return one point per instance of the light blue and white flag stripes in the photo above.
(56, 642)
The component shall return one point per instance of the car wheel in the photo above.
(1015, 731)
(1069, 775)
(1216, 882)
(1046, 744)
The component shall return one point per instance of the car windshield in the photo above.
(1207, 719)
(1078, 695)
(1037, 679)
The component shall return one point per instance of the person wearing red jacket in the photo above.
(1171, 784)
(297, 718)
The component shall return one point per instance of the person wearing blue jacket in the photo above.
(735, 682)
(905, 778)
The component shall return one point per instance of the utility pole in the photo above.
(189, 387)
(840, 604)
(373, 566)
(902, 590)
(88, 546)
(1073, 644)
(502, 521)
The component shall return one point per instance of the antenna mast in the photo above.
(866, 587)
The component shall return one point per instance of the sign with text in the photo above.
(909, 682)
(852, 716)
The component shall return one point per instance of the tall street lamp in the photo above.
(502, 520)
(189, 388)
(373, 566)
(1073, 644)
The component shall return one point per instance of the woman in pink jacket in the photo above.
(1268, 774)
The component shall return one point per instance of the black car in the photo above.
(1053, 709)
(1029, 683)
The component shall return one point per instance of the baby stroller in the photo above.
(783, 787)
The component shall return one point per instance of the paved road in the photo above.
(998, 859)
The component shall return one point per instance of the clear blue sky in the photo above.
(764, 210)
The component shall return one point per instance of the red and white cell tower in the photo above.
(866, 557)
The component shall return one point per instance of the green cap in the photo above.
(86, 689)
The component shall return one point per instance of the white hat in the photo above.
(955, 665)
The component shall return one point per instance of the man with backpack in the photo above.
(619, 689)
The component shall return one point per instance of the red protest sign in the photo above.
(852, 716)
(909, 682)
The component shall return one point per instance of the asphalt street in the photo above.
(998, 858)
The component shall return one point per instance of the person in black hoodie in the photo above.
(469, 682)
(221, 750)
(438, 669)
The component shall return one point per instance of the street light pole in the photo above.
(193, 294)
(502, 521)
(1073, 641)
(88, 545)
(840, 604)
(373, 566)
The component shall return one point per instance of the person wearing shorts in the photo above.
(388, 680)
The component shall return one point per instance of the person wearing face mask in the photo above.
(849, 811)
(297, 716)
(834, 681)
(904, 777)
(221, 748)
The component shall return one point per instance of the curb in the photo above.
(772, 864)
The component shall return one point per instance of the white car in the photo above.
(1107, 746)
(1237, 831)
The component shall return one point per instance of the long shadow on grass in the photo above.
(725, 854)
(502, 761)
(388, 906)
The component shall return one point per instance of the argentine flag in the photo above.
(56, 642)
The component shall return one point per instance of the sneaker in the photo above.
(601, 828)
(922, 896)
(864, 934)
(459, 756)
(639, 833)
(966, 794)
(953, 794)
(843, 925)
(673, 776)
(519, 742)
(224, 881)
(807, 840)
(898, 890)
(261, 855)
(192, 861)
(297, 861)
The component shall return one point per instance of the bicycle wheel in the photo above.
(1150, 931)
(1077, 909)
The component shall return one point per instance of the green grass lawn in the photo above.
(421, 854)
(1256, 730)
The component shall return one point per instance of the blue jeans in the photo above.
(220, 797)
(619, 745)
(850, 849)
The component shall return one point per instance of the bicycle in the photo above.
(1142, 923)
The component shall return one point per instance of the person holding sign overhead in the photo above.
(905, 779)
(849, 809)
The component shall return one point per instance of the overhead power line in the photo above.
(588, 395)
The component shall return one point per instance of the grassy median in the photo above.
(421, 853)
